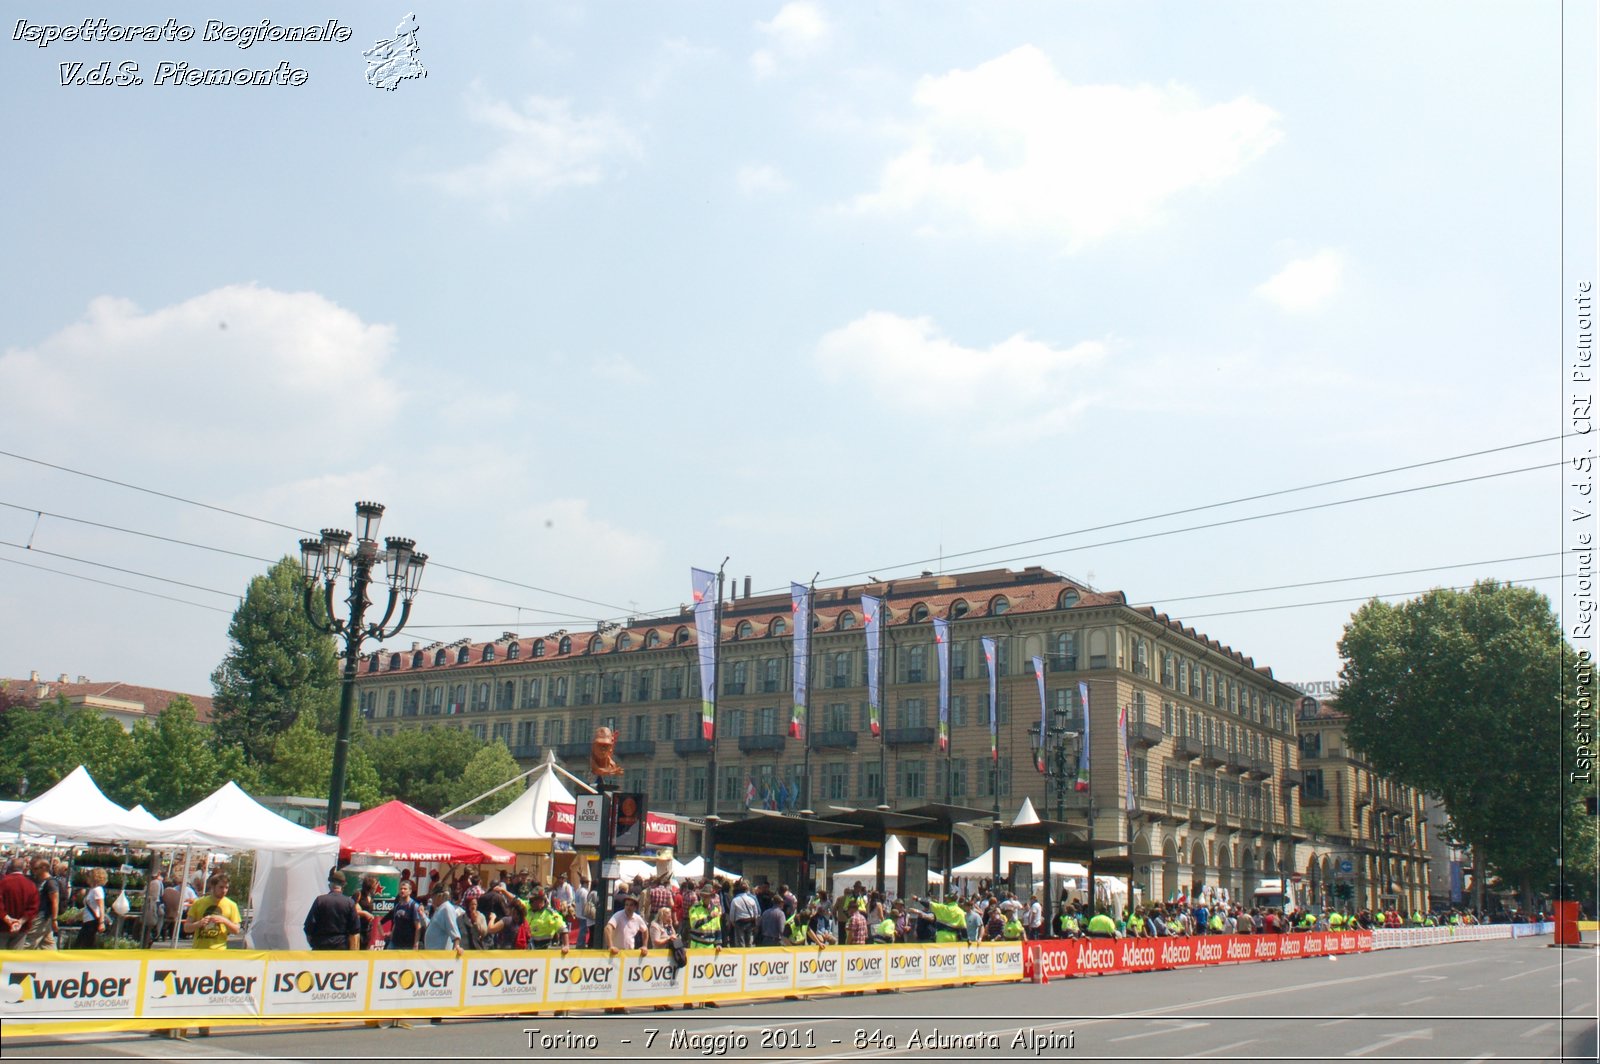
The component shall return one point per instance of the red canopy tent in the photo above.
(394, 829)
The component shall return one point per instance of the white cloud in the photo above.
(757, 179)
(1012, 148)
(1305, 284)
(238, 374)
(908, 363)
(798, 29)
(543, 146)
(620, 371)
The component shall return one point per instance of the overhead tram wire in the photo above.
(292, 528)
(121, 587)
(1368, 598)
(118, 569)
(251, 557)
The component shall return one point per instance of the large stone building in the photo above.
(1211, 743)
(1370, 837)
(125, 703)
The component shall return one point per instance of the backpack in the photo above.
(522, 935)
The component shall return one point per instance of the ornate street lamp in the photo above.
(320, 563)
(1054, 746)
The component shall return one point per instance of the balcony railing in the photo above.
(1235, 762)
(920, 736)
(1212, 755)
(526, 752)
(1257, 768)
(833, 740)
(636, 748)
(1294, 777)
(691, 746)
(1142, 734)
(1187, 748)
(750, 744)
(572, 751)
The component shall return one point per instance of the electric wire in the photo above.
(1367, 598)
(123, 587)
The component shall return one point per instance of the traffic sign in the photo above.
(1346, 867)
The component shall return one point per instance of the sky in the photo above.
(617, 289)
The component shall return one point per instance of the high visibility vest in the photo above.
(1013, 929)
(1069, 923)
(949, 919)
(1215, 923)
(703, 926)
(797, 932)
(1101, 924)
(1335, 921)
(885, 929)
(544, 925)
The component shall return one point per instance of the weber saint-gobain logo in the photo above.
(395, 60)
(166, 983)
(31, 986)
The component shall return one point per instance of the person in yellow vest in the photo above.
(950, 923)
(1307, 921)
(705, 920)
(1102, 926)
(546, 928)
(1012, 932)
(1336, 921)
(883, 931)
(1214, 925)
(1071, 926)
(1135, 924)
(797, 928)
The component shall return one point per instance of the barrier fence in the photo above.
(1062, 958)
(1399, 937)
(89, 990)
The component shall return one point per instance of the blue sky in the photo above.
(622, 288)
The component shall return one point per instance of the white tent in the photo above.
(696, 870)
(524, 820)
(75, 809)
(1027, 814)
(983, 864)
(292, 862)
(867, 872)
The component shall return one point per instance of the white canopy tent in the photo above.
(867, 872)
(292, 862)
(76, 809)
(696, 869)
(524, 820)
(983, 864)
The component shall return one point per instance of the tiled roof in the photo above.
(154, 699)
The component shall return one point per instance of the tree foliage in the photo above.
(1460, 694)
(302, 764)
(491, 766)
(39, 745)
(278, 667)
(424, 768)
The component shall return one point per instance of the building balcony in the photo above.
(1363, 800)
(671, 694)
(1186, 748)
(572, 751)
(1212, 756)
(1160, 809)
(1146, 735)
(529, 752)
(833, 740)
(691, 746)
(1313, 796)
(751, 744)
(909, 736)
(1201, 817)
(636, 748)
(1294, 777)
(1257, 768)
(1235, 762)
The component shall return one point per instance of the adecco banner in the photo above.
(139, 990)
(1101, 956)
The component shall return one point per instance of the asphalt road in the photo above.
(1502, 1000)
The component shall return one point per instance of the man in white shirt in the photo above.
(627, 929)
(1033, 918)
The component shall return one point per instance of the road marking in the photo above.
(1224, 1049)
(1474, 986)
(1530, 971)
(1333, 1023)
(1535, 1031)
(1431, 978)
(1416, 1001)
(1166, 1030)
(1385, 1043)
(1320, 984)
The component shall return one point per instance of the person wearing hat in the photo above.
(546, 928)
(332, 922)
(627, 929)
(705, 920)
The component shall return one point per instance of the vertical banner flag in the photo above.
(1038, 755)
(1127, 760)
(705, 630)
(873, 608)
(994, 705)
(800, 606)
(941, 641)
(1083, 753)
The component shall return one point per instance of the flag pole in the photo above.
(710, 834)
(805, 735)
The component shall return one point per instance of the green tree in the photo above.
(491, 766)
(40, 745)
(1460, 694)
(302, 764)
(278, 666)
(422, 767)
(176, 762)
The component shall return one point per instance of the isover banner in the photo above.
(203, 983)
(653, 977)
(714, 973)
(769, 971)
(578, 978)
(821, 970)
(507, 980)
(865, 966)
(905, 964)
(411, 982)
(942, 964)
(977, 962)
(69, 985)
(312, 984)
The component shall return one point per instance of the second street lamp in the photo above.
(1053, 746)
(320, 563)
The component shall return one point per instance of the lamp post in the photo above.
(1051, 745)
(320, 563)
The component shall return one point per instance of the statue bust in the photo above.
(602, 761)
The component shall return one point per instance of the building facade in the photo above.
(1370, 835)
(1201, 793)
(127, 704)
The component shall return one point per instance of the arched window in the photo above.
(513, 651)
(624, 641)
(538, 648)
(919, 613)
(1067, 599)
(680, 637)
(488, 652)
(780, 626)
(998, 605)
(416, 659)
(958, 609)
(652, 638)
(394, 661)
(744, 631)
(596, 644)
(372, 663)
(565, 646)
(847, 621)
(463, 655)
(439, 656)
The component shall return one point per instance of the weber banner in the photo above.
(989, 657)
(800, 606)
(704, 587)
(873, 624)
(1038, 750)
(941, 642)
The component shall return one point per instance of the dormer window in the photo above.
(652, 638)
(919, 613)
(680, 637)
(998, 605)
(513, 651)
(780, 626)
(488, 652)
(1068, 599)
(624, 641)
(538, 648)
(439, 657)
(744, 631)
(394, 661)
(847, 621)
(565, 646)
(958, 609)
(417, 660)
(463, 655)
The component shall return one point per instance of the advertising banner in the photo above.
(769, 971)
(315, 984)
(215, 984)
(872, 625)
(658, 830)
(905, 964)
(71, 984)
(864, 966)
(819, 971)
(941, 641)
(703, 586)
(653, 977)
(412, 982)
(588, 821)
(1094, 956)
(714, 974)
(800, 605)
(504, 980)
(582, 977)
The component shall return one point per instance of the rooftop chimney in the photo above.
(63, 678)
(747, 587)
(33, 677)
